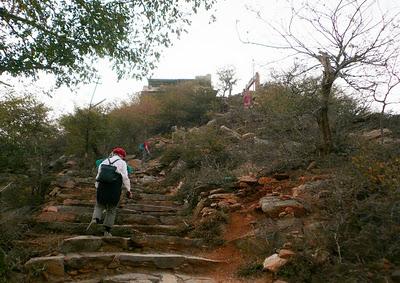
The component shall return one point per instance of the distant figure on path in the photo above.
(145, 149)
(247, 99)
(112, 174)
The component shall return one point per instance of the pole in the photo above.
(87, 134)
(253, 66)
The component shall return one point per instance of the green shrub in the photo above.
(26, 133)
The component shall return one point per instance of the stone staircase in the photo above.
(148, 242)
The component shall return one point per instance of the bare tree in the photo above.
(351, 41)
(381, 90)
(227, 79)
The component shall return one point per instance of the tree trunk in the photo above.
(322, 117)
(381, 116)
(325, 130)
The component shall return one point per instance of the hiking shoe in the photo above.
(107, 234)
(91, 223)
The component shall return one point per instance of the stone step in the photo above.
(74, 267)
(155, 202)
(142, 242)
(88, 197)
(150, 208)
(96, 244)
(160, 197)
(124, 216)
(153, 277)
(41, 244)
(117, 230)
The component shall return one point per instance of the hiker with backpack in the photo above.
(112, 174)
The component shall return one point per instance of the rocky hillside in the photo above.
(221, 203)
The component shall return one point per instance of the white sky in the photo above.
(205, 48)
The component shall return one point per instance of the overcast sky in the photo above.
(205, 48)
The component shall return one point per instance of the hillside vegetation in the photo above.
(225, 163)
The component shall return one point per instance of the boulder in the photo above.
(375, 134)
(273, 263)
(262, 141)
(286, 253)
(248, 136)
(65, 182)
(50, 209)
(225, 196)
(248, 179)
(194, 130)
(273, 205)
(147, 179)
(199, 208)
(212, 122)
(217, 191)
(307, 188)
(299, 190)
(54, 267)
(231, 132)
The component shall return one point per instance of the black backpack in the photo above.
(108, 173)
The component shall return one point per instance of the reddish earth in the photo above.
(240, 224)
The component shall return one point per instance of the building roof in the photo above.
(155, 84)
(164, 82)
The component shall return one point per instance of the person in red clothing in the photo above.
(145, 149)
(247, 99)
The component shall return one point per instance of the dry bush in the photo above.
(210, 229)
(361, 228)
(12, 257)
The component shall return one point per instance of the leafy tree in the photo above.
(25, 132)
(64, 37)
(185, 104)
(133, 122)
(76, 127)
(349, 41)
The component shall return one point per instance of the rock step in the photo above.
(41, 244)
(160, 197)
(155, 202)
(121, 210)
(151, 278)
(143, 242)
(78, 197)
(151, 208)
(117, 230)
(73, 267)
(85, 215)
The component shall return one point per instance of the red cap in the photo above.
(120, 151)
